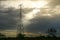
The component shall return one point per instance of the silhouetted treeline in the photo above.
(21, 37)
(32, 38)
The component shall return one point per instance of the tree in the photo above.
(52, 32)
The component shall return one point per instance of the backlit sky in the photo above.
(38, 15)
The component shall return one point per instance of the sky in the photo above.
(38, 15)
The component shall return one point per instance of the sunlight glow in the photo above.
(31, 4)
(32, 14)
(26, 4)
(49, 15)
(35, 11)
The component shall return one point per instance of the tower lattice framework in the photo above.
(20, 27)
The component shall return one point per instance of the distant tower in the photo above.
(20, 28)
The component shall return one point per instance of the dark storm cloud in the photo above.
(56, 23)
(42, 24)
(7, 20)
(38, 25)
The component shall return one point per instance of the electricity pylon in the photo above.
(20, 26)
(21, 22)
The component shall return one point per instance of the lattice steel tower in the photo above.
(20, 28)
(21, 22)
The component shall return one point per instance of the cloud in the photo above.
(7, 18)
(8, 0)
(3, 0)
(42, 24)
(38, 24)
(54, 3)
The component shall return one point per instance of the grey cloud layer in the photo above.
(7, 20)
(9, 17)
(42, 24)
